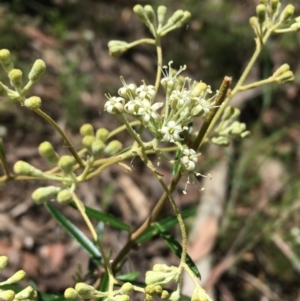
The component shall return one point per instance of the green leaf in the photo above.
(165, 224)
(176, 248)
(78, 235)
(104, 217)
(128, 277)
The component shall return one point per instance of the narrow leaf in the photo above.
(104, 217)
(77, 234)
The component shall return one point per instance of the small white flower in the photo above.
(171, 131)
(170, 79)
(132, 106)
(189, 159)
(148, 111)
(114, 105)
(145, 91)
(180, 98)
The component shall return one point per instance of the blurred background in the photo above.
(252, 231)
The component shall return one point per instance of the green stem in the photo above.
(88, 222)
(141, 41)
(159, 64)
(257, 84)
(61, 132)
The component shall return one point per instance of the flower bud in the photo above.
(16, 78)
(126, 288)
(87, 130)
(44, 194)
(161, 13)
(87, 141)
(5, 60)
(26, 293)
(139, 11)
(199, 89)
(287, 13)
(175, 296)
(287, 76)
(177, 16)
(16, 277)
(84, 290)
(97, 148)
(148, 297)
(161, 267)
(160, 278)
(149, 289)
(102, 134)
(64, 196)
(283, 68)
(274, 6)
(220, 140)
(8, 295)
(261, 13)
(186, 16)
(37, 70)
(164, 295)
(25, 169)
(33, 103)
(122, 298)
(66, 164)
(113, 147)
(254, 23)
(47, 151)
(3, 262)
(148, 9)
(245, 134)
(158, 289)
(117, 48)
(70, 293)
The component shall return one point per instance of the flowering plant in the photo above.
(169, 121)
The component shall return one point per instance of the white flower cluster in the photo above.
(184, 102)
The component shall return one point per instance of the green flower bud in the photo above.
(228, 112)
(33, 103)
(64, 196)
(25, 169)
(164, 295)
(220, 140)
(237, 128)
(149, 289)
(16, 277)
(199, 89)
(161, 13)
(126, 288)
(148, 297)
(26, 293)
(274, 6)
(44, 194)
(113, 147)
(175, 296)
(186, 16)
(254, 23)
(177, 16)
(287, 13)
(287, 76)
(3, 262)
(66, 164)
(139, 11)
(47, 151)
(261, 13)
(148, 9)
(97, 148)
(87, 141)
(87, 130)
(5, 60)
(283, 68)
(245, 134)
(16, 78)
(37, 70)
(8, 295)
(122, 298)
(84, 290)
(70, 293)
(158, 289)
(163, 278)
(102, 134)
(117, 48)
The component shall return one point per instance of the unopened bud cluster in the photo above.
(27, 293)
(16, 81)
(83, 291)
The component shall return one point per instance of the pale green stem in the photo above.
(61, 132)
(141, 41)
(159, 64)
(86, 170)
(88, 222)
(257, 84)
(122, 128)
